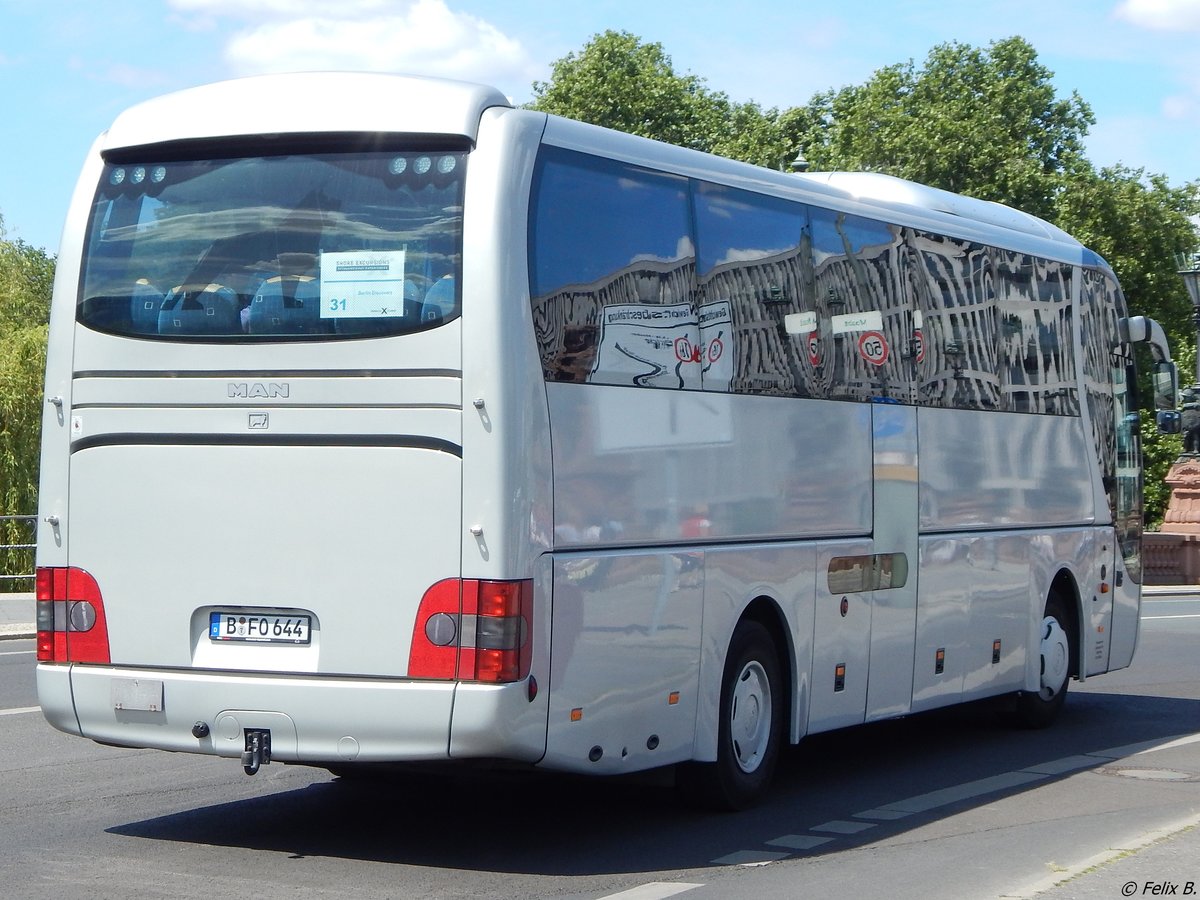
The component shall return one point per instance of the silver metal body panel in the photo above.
(307, 102)
(627, 639)
(312, 719)
(975, 471)
(203, 532)
(893, 617)
(632, 466)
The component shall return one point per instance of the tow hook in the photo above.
(258, 750)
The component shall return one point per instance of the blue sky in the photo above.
(67, 67)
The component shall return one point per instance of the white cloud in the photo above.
(1181, 108)
(1161, 15)
(423, 37)
(286, 9)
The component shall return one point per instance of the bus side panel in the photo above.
(637, 466)
(841, 636)
(625, 658)
(1126, 618)
(56, 431)
(975, 590)
(976, 472)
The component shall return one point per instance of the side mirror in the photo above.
(1168, 421)
(1166, 385)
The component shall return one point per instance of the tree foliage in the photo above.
(619, 81)
(1138, 223)
(26, 278)
(983, 122)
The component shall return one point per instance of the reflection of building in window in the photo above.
(763, 293)
(957, 367)
(567, 323)
(1036, 365)
(863, 266)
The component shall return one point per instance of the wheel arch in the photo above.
(1065, 587)
(767, 612)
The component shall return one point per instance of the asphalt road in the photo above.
(953, 804)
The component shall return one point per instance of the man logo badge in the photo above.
(256, 389)
(259, 421)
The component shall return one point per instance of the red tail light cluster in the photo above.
(70, 617)
(473, 630)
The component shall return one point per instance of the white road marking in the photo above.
(933, 799)
(655, 890)
(19, 710)
(841, 827)
(798, 841)
(750, 858)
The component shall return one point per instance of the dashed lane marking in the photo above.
(923, 803)
(654, 890)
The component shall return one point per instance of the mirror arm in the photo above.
(1144, 330)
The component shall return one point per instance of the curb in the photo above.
(1071, 875)
(1151, 589)
(17, 632)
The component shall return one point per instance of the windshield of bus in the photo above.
(267, 248)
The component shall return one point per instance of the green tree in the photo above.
(983, 122)
(621, 82)
(26, 278)
(1138, 223)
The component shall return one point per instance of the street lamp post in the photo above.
(1189, 271)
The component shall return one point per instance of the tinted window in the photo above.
(1036, 363)
(611, 273)
(757, 316)
(956, 352)
(863, 282)
(269, 248)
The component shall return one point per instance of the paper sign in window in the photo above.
(362, 284)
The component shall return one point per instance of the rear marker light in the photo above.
(473, 630)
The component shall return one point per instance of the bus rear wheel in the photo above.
(1038, 709)
(751, 726)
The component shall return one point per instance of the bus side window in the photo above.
(957, 365)
(612, 273)
(749, 268)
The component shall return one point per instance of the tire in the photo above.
(751, 726)
(1039, 709)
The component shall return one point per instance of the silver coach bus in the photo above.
(389, 423)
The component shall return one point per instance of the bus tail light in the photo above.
(71, 626)
(473, 631)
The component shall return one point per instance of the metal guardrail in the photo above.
(13, 555)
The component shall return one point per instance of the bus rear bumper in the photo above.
(312, 719)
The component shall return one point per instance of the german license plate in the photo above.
(263, 628)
